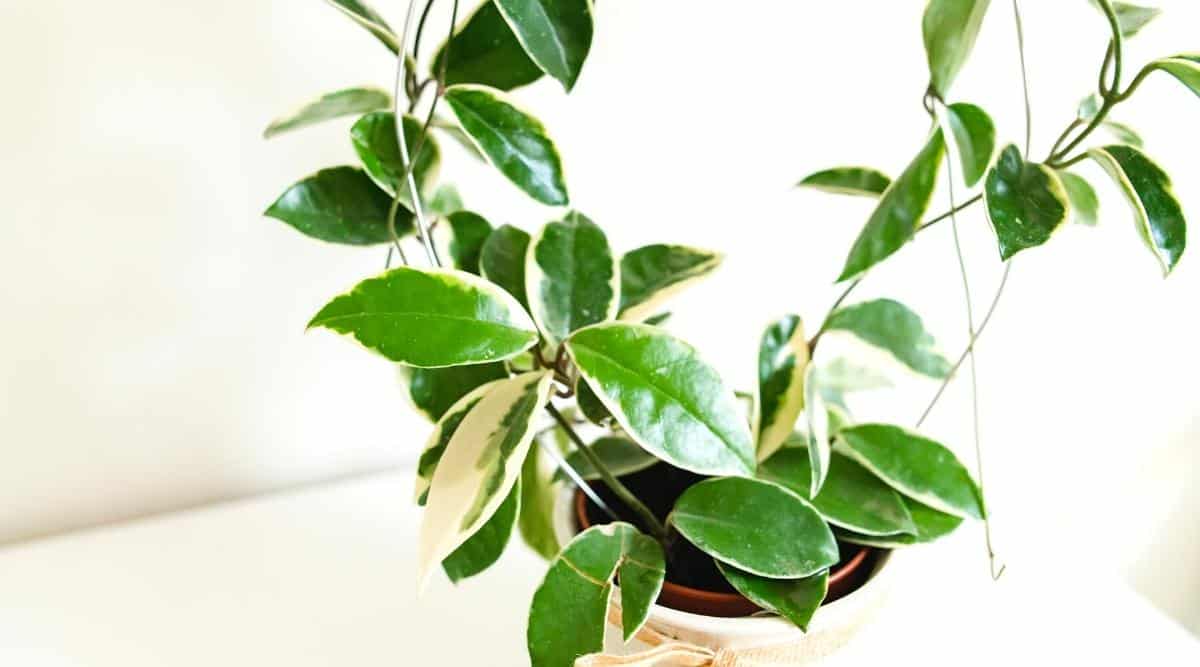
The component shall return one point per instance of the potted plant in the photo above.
(564, 411)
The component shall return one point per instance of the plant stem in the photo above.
(1111, 96)
(651, 522)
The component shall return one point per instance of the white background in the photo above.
(154, 354)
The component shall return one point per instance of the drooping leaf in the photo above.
(572, 278)
(794, 599)
(756, 526)
(339, 103)
(469, 231)
(374, 139)
(434, 390)
(1026, 202)
(567, 617)
(975, 138)
(930, 525)
(590, 405)
(515, 142)
(665, 397)
(435, 446)
(950, 28)
(852, 497)
(890, 325)
(1156, 211)
(1084, 203)
(484, 50)
(486, 546)
(860, 181)
(1185, 68)
(619, 455)
(340, 205)
(1131, 18)
(899, 211)
(431, 318)
(782, 362)
(538, 494)
(1123, 133)
(556, 34)
(652, 274)
(479, 466)
(816, 417)
(445, 201)
(370, 20)
(915, 466)
(502, 260)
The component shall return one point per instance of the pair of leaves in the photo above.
(572, 278)
(892, 326)
(567, 617)
(783, 357)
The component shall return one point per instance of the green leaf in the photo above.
(1089, 107)
(571, 277)
(567, 617)
(469, 231)
(590, 405)
(782, 362)
(930, 525)
(1123, 133)
(435, 446)
(658, 320)
(479, 466)
(431, 318)
(852, 498)
(369, 19)
(899, 211)
(484, 50)
(974, 136)
(1131, 18)
(915, 466)
(652, 274)
(816, 415)
(330, 105)
(515, 142)
(486, 546)
(794, 599)
(1148, 189)
(434, 390)
(1084, 203)
(665, 397)
(890, 325)
(556, 34)
(538, 495)
(1185, 68)
(340, 205)
(502, 260)
(1026, 202)
(950, 28)
(756, 526)
(861, 181)
(374, 138)
(619, 455)
(445, 201)
(844, 376)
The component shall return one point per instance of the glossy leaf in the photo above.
(515, 142)
(374, 139)
(502, 260)
(556, 34)
(950, 28)
(486, 546)
(1185, 68)
(899, 211)
(567, 617)
(469, 231)
(665, 397)
(590, 405)
(890, 325)
(1084, 203)
(445, 201)
(652, 274)
(1131, 18)
(572, 278)
(930, 525)
(1026, 202)
(484, 50)
(915, 466)
(861, 181)
(370, 20)
(479, 466)
(1156, 211)
(435, 446)
(434, 390)
(816, 417)
(782, 362)
(974, 137)
(756, 526)
(431, 318)
(340, 205)
(794, 599)
(852, 497)
(339, 103)
(619, 455)
(538, 496)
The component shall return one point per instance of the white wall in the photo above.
(154, 354)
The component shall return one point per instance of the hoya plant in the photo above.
(539, 350)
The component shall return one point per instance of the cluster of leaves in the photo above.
(523, 323)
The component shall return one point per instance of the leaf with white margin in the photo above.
(1131, 18)
(652, 274)
(794, 599)
(858, 181)
(1026, 202)
(974, 138)
(362, 14)
(345, 102)
(816, 415)
(665, 397)
(479, 466)
(950, 28)
(782, 363)
(557, 34)
(572, 278)
(567, 616)
(1184, 67)
(431, 318)
(486, 546)
(892, 326)
(435, 446)
(1148, 189)
(1084, 203)
(374, 139)
(930, 525)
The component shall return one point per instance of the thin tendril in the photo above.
(1024, 76)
